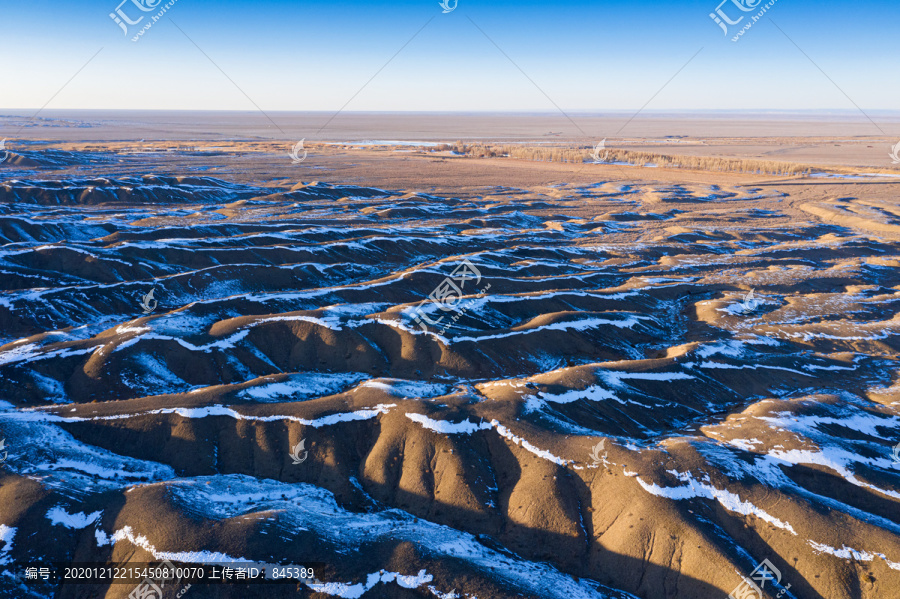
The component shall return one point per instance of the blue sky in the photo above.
(316, 55)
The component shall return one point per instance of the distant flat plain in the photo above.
(846, 138)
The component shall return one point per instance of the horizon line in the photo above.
(596, 112)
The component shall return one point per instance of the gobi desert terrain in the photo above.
(430, 369)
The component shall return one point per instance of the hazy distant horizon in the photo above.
(658, 112)
(20, 126)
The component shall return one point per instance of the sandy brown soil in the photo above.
(655, 379)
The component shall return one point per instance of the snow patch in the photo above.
(138, 540)
(302, 386)
(467, 427)
(59, 516)
(7, 533)
(849, 553)
(727, 499)
(448, 428)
